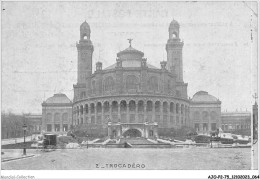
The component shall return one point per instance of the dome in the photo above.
(58, 99)
(203, 96)
(130, 54)
(130, 51)
(84, 25)
(174, 24)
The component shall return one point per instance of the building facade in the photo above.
(133, 97)
(57, 114)
(236, 122)
(205, 112)
(131, 94)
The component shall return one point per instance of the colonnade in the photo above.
(165, 113)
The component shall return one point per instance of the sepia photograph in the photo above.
(129, 85)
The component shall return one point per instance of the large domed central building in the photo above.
(130, 97)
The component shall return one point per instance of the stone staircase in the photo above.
(134, 141)
(144, 143)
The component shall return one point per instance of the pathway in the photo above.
(16, 140)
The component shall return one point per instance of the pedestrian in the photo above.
(44, 143)
(125, 145)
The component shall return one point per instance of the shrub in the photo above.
(63, 140)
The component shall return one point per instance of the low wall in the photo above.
(18, 146)
(159, 145)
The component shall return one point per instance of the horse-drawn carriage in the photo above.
(49, 141)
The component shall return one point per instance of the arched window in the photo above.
(132, 106)
(123, 106)
(77, 110)
(149, 106)
(49, 117)
(177, 108)
(99, 107)
(86, 108)
(81, 109)
(140, 106)
(106, 106)
(196, 115)
(114, 106)
(109, 84)
(153, 83)
(174, 35)
(57, 117)
(157, 106)
(165, 107)
(82, 95)
(92, 108)
(205, 115)
(65, 117)
(171, 107)
(182, 109)
(131, 82)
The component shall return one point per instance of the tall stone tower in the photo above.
(85, 51)
(174, 51)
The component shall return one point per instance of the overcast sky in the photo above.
(39, 57)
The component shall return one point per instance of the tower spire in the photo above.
(174, 51)
(85, 52)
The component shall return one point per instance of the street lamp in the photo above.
(24, 146)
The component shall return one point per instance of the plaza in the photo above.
(144, 158)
